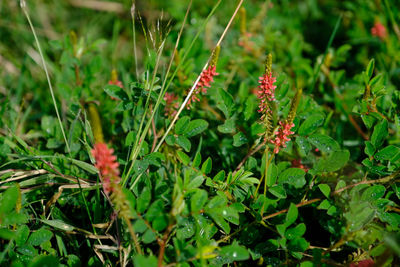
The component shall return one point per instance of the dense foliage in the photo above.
(212, 133)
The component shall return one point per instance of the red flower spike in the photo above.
(206, 78)
(107, 165)
(171, 104)
(379, 30)
(117, 83)
(363, 263)
(282, 136)
(266, 92)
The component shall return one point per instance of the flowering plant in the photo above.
(198, 152)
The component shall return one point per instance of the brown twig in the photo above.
(99, 5)
(382, 180)
(308, 202)
(250, 153)
(163, 244)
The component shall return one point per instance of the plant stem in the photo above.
(163, 244)
(25, 10)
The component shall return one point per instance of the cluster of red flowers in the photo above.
(117, 83)
(282, 135)
(363, 263)
(266, 92)
(171, 104)
(379, 31)
(245, 43)
(107, 165)
(206, 78)
(296, 163)
(114, 81)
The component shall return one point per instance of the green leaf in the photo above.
(6, 234)
(323, 142)
(181, 125)
(373, 193)
(307, 264)
(130, 138)
(228, 126)
(44, 261)
(85, 166)
(195, 182)
(183, 157)
(272, 174)
(8, 200)
(186, 229)
(21, 235)
(58, 224)
(156, 208)
(170, 140)
(296, 231)
(39, 237)
(325, 189)
(195, 127)
(369, 148)
(281, 228)
(219, 220)
(303, 145)
(116, 92)
(141, 261)
(207, 166)
(278, 191)
(370, 68)
(198, 200)
(239, 139)
(197, 160)
(225, 102)
(293, 176)
(380, 133)
(230, 214)
(325, 204)
(220, 176)
(140, 226)
(368, 120)
(291, 215)
(183, 142)
(298, 244)
(234, 252)
(249, 108)
(311, 124)
(387, 153)
(334, 162)
(149, 236)
(143, 200)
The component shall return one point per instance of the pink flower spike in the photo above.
(171, 104)
(205, 80)
(379, 30)
(107, 165)
(117, 83)
(282, 136)
(266, 92)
